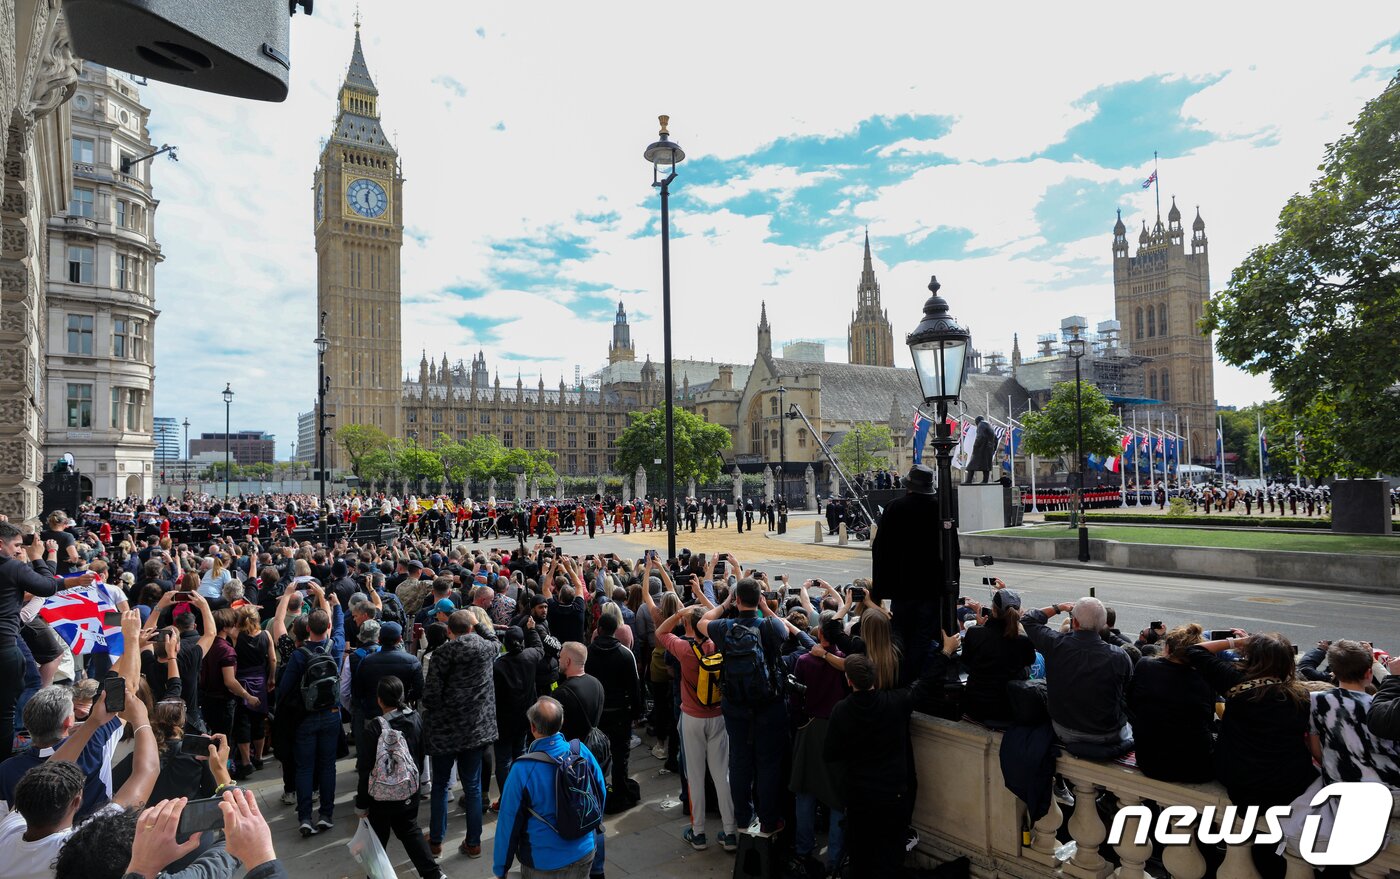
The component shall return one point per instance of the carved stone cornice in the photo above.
(56, 68)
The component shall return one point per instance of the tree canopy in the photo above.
(359, 440)
(699, 446)
(1051, 432)
(1318, 308)
(861, 448)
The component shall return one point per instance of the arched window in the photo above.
(1151, 321)
(1162, 318)
(1152, 383)
(1137, 325)
(1166, 385)
(773, 406)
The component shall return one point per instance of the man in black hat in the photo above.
(903, 555)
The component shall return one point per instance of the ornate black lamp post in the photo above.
(668, 154)
(322, 343)
(1076, 350)
(186, 426)
(939, 346)
(228, 408)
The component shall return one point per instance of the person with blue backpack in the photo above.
(552, 804)
(755, 714)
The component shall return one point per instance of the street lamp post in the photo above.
(228, 408)
(322, 343)
(939, 345)
(666, 152)
(1076, 350)
(187, 455)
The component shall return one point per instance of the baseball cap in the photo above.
(390, 633)
(1006, 598)
(445, 605)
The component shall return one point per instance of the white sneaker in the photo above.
(635, 742)
(289, 798)
(659, 752)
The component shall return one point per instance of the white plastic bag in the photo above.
(368, 853)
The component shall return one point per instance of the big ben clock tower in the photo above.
(358, 213)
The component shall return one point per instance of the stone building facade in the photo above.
(1159, 295)
(101, 314)
(38, 74)
(869, 338)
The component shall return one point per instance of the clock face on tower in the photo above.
(320, 201)
(367, 198)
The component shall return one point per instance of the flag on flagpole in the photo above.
(1263, 451)
(1147, 184)
(77, 616)
(920, 428)
(1298, 445)
(1219, 448)
(969, 439)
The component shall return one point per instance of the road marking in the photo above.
(1262, 599)
(1117, 604)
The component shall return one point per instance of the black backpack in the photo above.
(747, 678)
(578, 797)
(320, 682)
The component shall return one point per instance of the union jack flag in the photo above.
(1161, 446)
(1144, 444)
(1147, 184)
(76, 615)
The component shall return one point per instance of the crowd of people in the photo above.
(782, 708)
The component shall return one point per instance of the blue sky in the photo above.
(992, 156)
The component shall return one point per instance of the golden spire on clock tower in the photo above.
(358, 191)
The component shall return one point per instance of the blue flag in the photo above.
(920, 426)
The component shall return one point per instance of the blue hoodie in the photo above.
(537, 846)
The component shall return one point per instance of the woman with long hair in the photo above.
(1172, 709)
(1262, 754)
(256, 670)
(212, 583)
(880, 647)
(994, 654)
(188, 773)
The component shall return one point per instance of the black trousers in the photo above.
(617, 726)
(402, 818)
(11, 686)
(915, 621)
(875, 835)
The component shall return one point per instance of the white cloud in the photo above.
(578, 87)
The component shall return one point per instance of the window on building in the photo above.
(118, 407)
(79, 264)
(549, 419)
(773, 406)
(773, 438)
(801, 438)
(81, 203)
(437, 416)
(138, 219)
(1162, 318)
(507, 418)
(80, 406)
(529, 439)
(80, 334)
(138, 340)
(119, 337)
(1152, 385)
(1137, 324)
(573, 440)
(592, 440)
(705, 414)
(755, 439)
(592, 420)
(461, 418)
(412, 416)
(508, 439)
(1166, 385)
(122, 212)
(592, 463)
(612, 463)
(135, 410)
(124, 272)
(1151, 321)
(529, 419)
(486, 418)
(83, 150)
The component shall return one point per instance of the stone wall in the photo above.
(38, 74)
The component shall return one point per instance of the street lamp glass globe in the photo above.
(1076, 347)
(228, 394)
(322, 343)
(664, 151)
(939, 347)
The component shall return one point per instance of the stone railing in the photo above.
(964, 809)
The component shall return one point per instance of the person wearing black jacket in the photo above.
(515, 674)
(400, 816)
(23, 569)
(994, 654)
(1172, 709)
(901, 557)
(868, 736)
(616, 669)
(1384, 717)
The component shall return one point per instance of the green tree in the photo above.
(699, 446)
(377, 465)
(1322, 456)
(861, 448)
(1052, 432)
(358, 440)
(414, 462)
(1318, 308)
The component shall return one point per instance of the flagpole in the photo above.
(1259, 440)
(1137, 466)
(1034, 508)
(1176, 426)
(1151, 459)
(1012, 447)
(1190, 457)
(1157, 185)
(1122, 471)
(1220, 433)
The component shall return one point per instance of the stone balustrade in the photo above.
(964, 809)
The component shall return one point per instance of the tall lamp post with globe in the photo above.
(939, 345)
(1076, 350)
(228, 409)
(666, 153)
